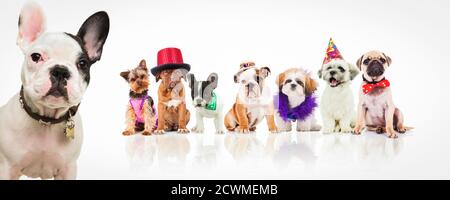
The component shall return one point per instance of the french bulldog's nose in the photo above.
(332, 73)
(198, 102)
(60, 72)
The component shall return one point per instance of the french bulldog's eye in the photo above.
(82, 63)
(366, 61)
(341, 69)
(382, 60)
(35, 57)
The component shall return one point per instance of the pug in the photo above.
(376, 109)
(40, 129)
(253, 102)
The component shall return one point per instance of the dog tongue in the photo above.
(333, 82)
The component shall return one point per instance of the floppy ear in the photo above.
(265, 72)
(319, 73)
(213, 78)
(190, 79)
(280, 79)
(93, 34)
(31, 25)
(143, 65)
(359, 62)
(235, 78)
(125, 75)
(158, 77)
(310, 85)
(353, 71)
(388, 59)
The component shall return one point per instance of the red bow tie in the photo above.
(370, 86)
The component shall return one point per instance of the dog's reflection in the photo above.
(205, 150)
(168, 151)
(368, 148)
(244, 148)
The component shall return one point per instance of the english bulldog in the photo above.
(40, 129)
(253, 102)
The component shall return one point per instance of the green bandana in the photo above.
(213, 103)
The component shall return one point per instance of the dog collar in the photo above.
(369, 86)
(212, 105)
(135, 95)
(43, 120)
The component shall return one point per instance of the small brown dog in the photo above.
(172, 112)
(140, 115)
(376, 109)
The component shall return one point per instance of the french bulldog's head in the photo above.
(55, 72)
(202, 91)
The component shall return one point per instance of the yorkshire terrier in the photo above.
(141, 114)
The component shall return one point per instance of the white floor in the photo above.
(268, 156)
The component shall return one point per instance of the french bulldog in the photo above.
(40, 129)
(206, 102)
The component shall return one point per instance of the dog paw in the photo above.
(274, 130)
(357, 130)
(327, 130)
(128, 133)
(159, 132)
(242, 130)
(183, 130)
(391, 133)
(197, 130)
(220, 131)
(146, 132)
(401, 130)
(346, 130)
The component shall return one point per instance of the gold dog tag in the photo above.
(70, 129)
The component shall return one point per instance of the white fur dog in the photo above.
(40, 129)
(295, 101)
(337, 104)
(206, 102)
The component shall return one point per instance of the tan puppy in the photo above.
(253, 102)
(376, 109)
(172, 112)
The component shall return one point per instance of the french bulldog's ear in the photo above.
(265, 72)
(359, 62)
(353, 71)
(319, 73)
(31, 25)
(93, 33)
(143, 65)
(310, 85)
(190, 79)
(125, 75)
(388, 59)
(213, 78)
(280, 79)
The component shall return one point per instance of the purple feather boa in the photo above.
(301, 112)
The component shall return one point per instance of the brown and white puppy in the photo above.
(172, 112)
(297, 85)
(376, 109)
(253, 102)
(140, 115)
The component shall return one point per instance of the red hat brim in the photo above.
(155, 70)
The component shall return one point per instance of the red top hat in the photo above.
(170, 58)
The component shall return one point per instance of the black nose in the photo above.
(332, 73)
(293, 86)
(251, 86)
(375, 69)
(59, 73)
(198, 102)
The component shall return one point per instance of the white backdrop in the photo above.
(215, 36)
